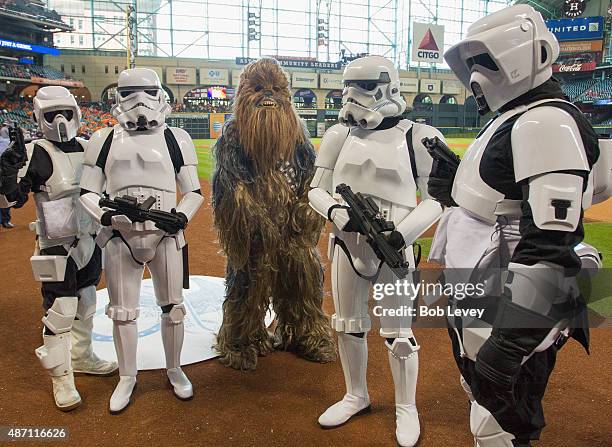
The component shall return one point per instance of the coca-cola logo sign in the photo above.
(584, 66)
(574, 67)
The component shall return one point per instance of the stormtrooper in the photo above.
(516, 202)
(66, 260)
(379, 154)
(141, 157)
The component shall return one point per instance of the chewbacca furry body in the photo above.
(266, 227)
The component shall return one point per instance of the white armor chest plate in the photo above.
(469, 189)
(67, 169)
(139, 165)
(377, 163)
(60, 214)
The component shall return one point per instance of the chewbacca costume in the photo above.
(268, 231)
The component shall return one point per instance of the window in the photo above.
(116, 69)
(62, 68)
(73, 69)
(82, 68)
(81, 40)
(106, 69)
(72, 39)
(80, 24)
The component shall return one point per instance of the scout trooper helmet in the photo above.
(56, 113)
(140, 102)
(504, 55)
(371, 92)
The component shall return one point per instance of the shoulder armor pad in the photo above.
(331, 144)
(546, 139)
(94, 145)
(186, 145)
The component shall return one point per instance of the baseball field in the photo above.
(278, 404)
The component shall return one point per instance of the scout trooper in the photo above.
(379, 154)
(518, 201)
(142, 157)
(65, 260)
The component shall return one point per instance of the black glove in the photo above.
(396, 240)
(10, 164)
(440, 183)
(351, 226)
(106, 218)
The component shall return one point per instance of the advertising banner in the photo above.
(296, 63)
(214, 76)
(427, 42)
(579, 46)
(409, 85)
(304, 80)
(583, 28)
(22, 46)
(574, 67)
(217, 120)
(331, 81)
(430, 86)
(181, 75)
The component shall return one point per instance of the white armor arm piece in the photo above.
(320, 195)
(428, 211)
(93, 178)
(555, 197)
(187, 178)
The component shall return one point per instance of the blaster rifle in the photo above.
(440, 151)
(169, 222)
(370, 222)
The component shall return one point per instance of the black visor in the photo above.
(50, 116)
(151, 91)
(484, 60)
(365, 85)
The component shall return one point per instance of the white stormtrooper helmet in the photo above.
(56, 113)
(371, 92)
(140, 100)
(504, 55)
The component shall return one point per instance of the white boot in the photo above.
(54, 356)
(405, 372)
(84, 360)
(125, 335)
(173, 331)
(354, 358)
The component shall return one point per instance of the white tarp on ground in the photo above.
(203, 303)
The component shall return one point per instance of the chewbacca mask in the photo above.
(269, 126)
(269, 233)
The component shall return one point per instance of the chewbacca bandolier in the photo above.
(266, 227)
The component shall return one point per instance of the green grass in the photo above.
(206, 162)
(598, 235)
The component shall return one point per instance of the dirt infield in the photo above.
(279, 403)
